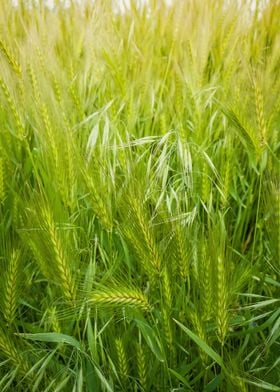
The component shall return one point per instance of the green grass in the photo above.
(140, 198)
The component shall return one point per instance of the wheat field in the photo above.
(140, 196)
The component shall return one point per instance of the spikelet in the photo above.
(10, 58)
(260, 113)
(168, 335)
(190, 52)
(193, 110)
(240, 384)
(205, 185)
(273, 132)
(222, 300)
(203, 60)
(2, 182)
(178, 96)
(57, 91)
(229, 72)
(98, 204)
(142, 367)
(199, 329)
(34, 84)
(206, 284)
(136, 228)
(55, 325)
(64, 273)
(273, 223)
(122, 361)
(11, 352)
(11, 283)
(16, 212)
(141, 253)
(66, 177)
(38, 257)
(163, 124)
(167, 294)
(181, 252)
(71, 171)
(226, 182)
(227, 37)
(149, 241)
(41, 60)
(119, 297)
(166, 313)
(144, 90)
(50, 137)
(237, 382)
(13, 108)
(74, 93)
(276, 198)
(226, 175)
(131, 111)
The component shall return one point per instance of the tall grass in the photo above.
(139, 197)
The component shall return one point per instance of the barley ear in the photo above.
(2, 182)
(200, 331)
(260, 113)
(61, 264)
(9, 350)
(119, 297)
(11, 287)
(142, 367)
(222, 300)
(10, 58)
(206, 283)
(122, 361)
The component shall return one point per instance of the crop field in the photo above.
(140, 196)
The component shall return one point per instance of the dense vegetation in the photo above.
(140, 197)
